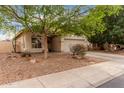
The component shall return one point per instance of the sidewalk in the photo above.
(84, 77)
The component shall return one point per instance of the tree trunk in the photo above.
(14, 45)
(45, 47)
(14, 42)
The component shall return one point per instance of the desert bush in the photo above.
(111, 47)
(106, 46)
(78, 51)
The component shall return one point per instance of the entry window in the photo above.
(36, 42)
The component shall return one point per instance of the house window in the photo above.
(36, 42)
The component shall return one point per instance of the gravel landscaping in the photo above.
(14, 68)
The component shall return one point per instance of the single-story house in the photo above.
(33, 42)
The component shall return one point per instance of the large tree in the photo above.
(47, 20)
(115, 28)
(94, 24)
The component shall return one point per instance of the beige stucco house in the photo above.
(33, 42)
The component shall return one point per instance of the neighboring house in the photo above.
(33, 42)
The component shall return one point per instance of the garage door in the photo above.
(68, 43)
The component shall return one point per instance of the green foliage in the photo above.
(97, 22)
(48, 19)
(115, 28)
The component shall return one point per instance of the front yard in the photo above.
(14, 68)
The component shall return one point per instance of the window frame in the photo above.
(34, 44)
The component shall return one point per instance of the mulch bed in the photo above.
(15, 68)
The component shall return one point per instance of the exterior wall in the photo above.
(28, 41)
(68, 42)
(6, 47)
(58, 44)
(28, 44)
(24, 43)
(20, 43)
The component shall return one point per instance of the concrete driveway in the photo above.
(117, 82)
(110, 57)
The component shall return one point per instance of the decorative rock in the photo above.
(33, 61)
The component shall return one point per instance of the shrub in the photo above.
(106, 46)
(78, 50)
(111, 47)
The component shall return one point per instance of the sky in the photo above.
(6, 36)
